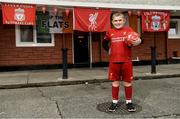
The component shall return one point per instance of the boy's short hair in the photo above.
(117, 15)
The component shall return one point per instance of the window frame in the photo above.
(31, 44)
(177, 36)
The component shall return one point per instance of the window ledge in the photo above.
(173, 37)
(175, 57)
(35, 45)
(135, 60)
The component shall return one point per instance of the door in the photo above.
(81, 48)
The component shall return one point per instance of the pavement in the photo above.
(53, 77)
(155, 95)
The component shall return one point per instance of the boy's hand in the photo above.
(133, 39)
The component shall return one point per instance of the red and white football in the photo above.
(133, 39)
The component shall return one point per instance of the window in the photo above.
(26, 36)
(174, 30)
(26, 33)
(43, 38)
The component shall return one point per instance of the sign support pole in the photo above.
(90, 48)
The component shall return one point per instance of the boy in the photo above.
(120, 64)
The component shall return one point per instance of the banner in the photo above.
(51, 23)
(153, 21)
(60, 23)
(94, 20)
(21, 14)
(41, 22)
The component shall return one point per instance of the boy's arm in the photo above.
(105, 44)
(106, 41)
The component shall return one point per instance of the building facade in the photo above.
(85, 48)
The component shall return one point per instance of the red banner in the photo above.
(94, 20)
(153, 21)
(20, 14)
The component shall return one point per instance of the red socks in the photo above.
(115, 93)
(128, 92)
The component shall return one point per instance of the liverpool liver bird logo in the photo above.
(92, 20)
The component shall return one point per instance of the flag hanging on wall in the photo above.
(21, 14)
(94, 20)
(60, 23)
(50, 23)
(155, 21)
(42, 22)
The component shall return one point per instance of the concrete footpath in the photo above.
(53, 77)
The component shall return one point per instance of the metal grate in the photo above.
(103, 107)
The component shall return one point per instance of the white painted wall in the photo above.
(120, 4)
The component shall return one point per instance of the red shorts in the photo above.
(120, 71)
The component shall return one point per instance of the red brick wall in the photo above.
(96, 47)
(96, 51)
(104, 54)
(173, 45)
(68, 44)
(143, 51)
(10, 55)
(161, 45)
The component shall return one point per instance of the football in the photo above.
(133, 39)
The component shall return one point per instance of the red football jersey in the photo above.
(118, 49)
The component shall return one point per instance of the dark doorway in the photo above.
(81, 48)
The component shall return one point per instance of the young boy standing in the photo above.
(120, 63)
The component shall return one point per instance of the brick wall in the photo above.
(96, 51)
(10, 55)
(143, 51)
(104, 54)
(96, 47)
(173, 48)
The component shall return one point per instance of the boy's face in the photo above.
(118, 22)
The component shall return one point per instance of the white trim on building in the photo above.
(112, 5)
(34, 42)
(174, 33)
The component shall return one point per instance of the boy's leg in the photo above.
(128, 91)
(128, 77)
(114, 76)
(115, 96)
(115, 91)
(128, 94)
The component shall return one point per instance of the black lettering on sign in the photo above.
(55, 25)
(66, 24)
